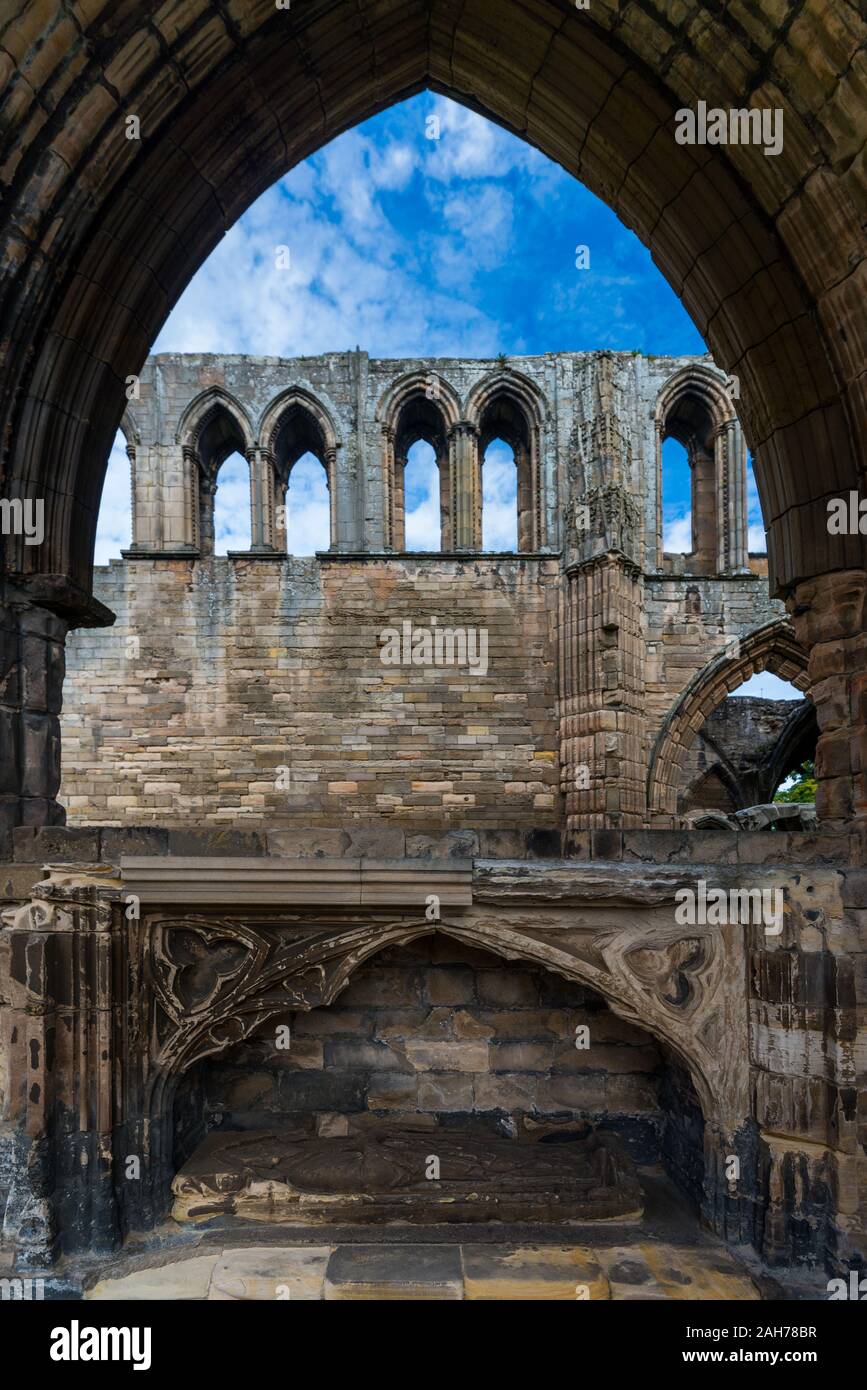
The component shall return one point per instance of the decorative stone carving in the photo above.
(382, 1176)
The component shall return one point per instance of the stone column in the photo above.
(192, 519)
(602, 694)
(389, 483)
(829, 614)
(207, 492)
(731, 471)
(32, 666)
(658, 547)
(331, 483)
(527, 498)
(57, 1029)
(466, 487)
(445, 495)
(740, 558)
(261, 500)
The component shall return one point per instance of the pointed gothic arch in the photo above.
(213, 426)
(294, 423)
(507, 405)
(695, 408)
(772, 647)
(420, 405)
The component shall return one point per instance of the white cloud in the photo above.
(677, 535)
(308, 525)
(499, 499)
(114, 525)
(345, 285)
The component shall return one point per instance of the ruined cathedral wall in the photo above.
(690, 620)
(252, 688)
(239, 691)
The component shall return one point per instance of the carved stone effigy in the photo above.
(386, 1175)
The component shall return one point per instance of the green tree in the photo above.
(802, 785)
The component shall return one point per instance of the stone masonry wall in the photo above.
(251, 688)
(437, 1033)
(246, 668)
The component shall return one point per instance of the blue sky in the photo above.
(405, 245)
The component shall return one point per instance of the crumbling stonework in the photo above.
(98, 237)
(743, 751)
(253, 687)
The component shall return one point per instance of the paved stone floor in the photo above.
(664, 1255)
(466, 1271)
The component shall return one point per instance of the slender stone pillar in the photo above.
(731, 473)
(207, 493)
(466, 487)
(32, 666)
(192, 519)
(261, 499)
(330, 462)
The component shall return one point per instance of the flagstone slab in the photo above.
(185, 1280)
(395, 1272)
(546, 1272)
(264, 1273)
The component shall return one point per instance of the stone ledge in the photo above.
(384, 841)
(268, 881)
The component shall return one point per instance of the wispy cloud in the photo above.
(408, 246)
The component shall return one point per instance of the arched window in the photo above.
(421, 505)
(676, 499)
(421, 498)
(114, 523)
(499, 497)
(508, 415)
(695, 421)
(299, 451)
(231, 505)
(308, 511)
(757, 746)
(216, 434)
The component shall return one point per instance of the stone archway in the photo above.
(773, 648)
(102, 232)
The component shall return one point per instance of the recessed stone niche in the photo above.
(438, 1036)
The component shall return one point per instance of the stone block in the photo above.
(223, 843)
(445, 1091)
(55, 845)
(464, 1054)
(392, 1091)
(264, 1273)
(383, 1272)
(132, 840)
(501, 987)
(316, 843)
(547, 1273)
(449, 984)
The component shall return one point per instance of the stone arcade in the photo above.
(152, 932)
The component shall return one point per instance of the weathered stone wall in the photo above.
(252, 688)
(743, 750)
(246, 668)
(440, 1031)
(347, 400)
